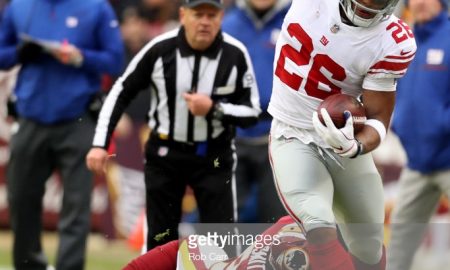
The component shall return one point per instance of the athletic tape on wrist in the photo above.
(378, 126)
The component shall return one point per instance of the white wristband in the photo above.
(378, 126)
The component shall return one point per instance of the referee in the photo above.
(202, 86)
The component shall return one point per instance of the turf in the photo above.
(102, 254)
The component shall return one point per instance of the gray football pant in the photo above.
(318, 192)
(416, 202)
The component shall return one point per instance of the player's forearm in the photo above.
(369, 138)
(379, 107)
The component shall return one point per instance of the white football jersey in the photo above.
(317, 55)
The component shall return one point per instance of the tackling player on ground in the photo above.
(288, 252)
(324, 175)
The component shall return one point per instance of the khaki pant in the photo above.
(416, 202)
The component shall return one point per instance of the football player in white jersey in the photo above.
(325, 176)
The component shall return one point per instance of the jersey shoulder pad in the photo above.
(399, 49)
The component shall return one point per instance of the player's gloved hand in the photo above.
(28, 52)
(342, 140)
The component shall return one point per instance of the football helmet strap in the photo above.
(350, 7)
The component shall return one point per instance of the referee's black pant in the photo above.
(170, 167)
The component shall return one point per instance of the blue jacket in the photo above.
(48, 91)
(422, 111)
(259, 35)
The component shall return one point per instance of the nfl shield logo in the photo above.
(162, 151)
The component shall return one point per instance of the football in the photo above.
(337, 104)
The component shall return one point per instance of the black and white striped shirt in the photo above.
(169, 67)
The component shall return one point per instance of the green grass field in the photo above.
(102, 254)
(113, 255)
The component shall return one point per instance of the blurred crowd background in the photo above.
(119, 199)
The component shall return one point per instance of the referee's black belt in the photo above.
(199, 148)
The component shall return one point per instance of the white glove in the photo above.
(342, 141)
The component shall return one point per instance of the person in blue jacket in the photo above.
(257, 23)
(422, 122)
(64, 47)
